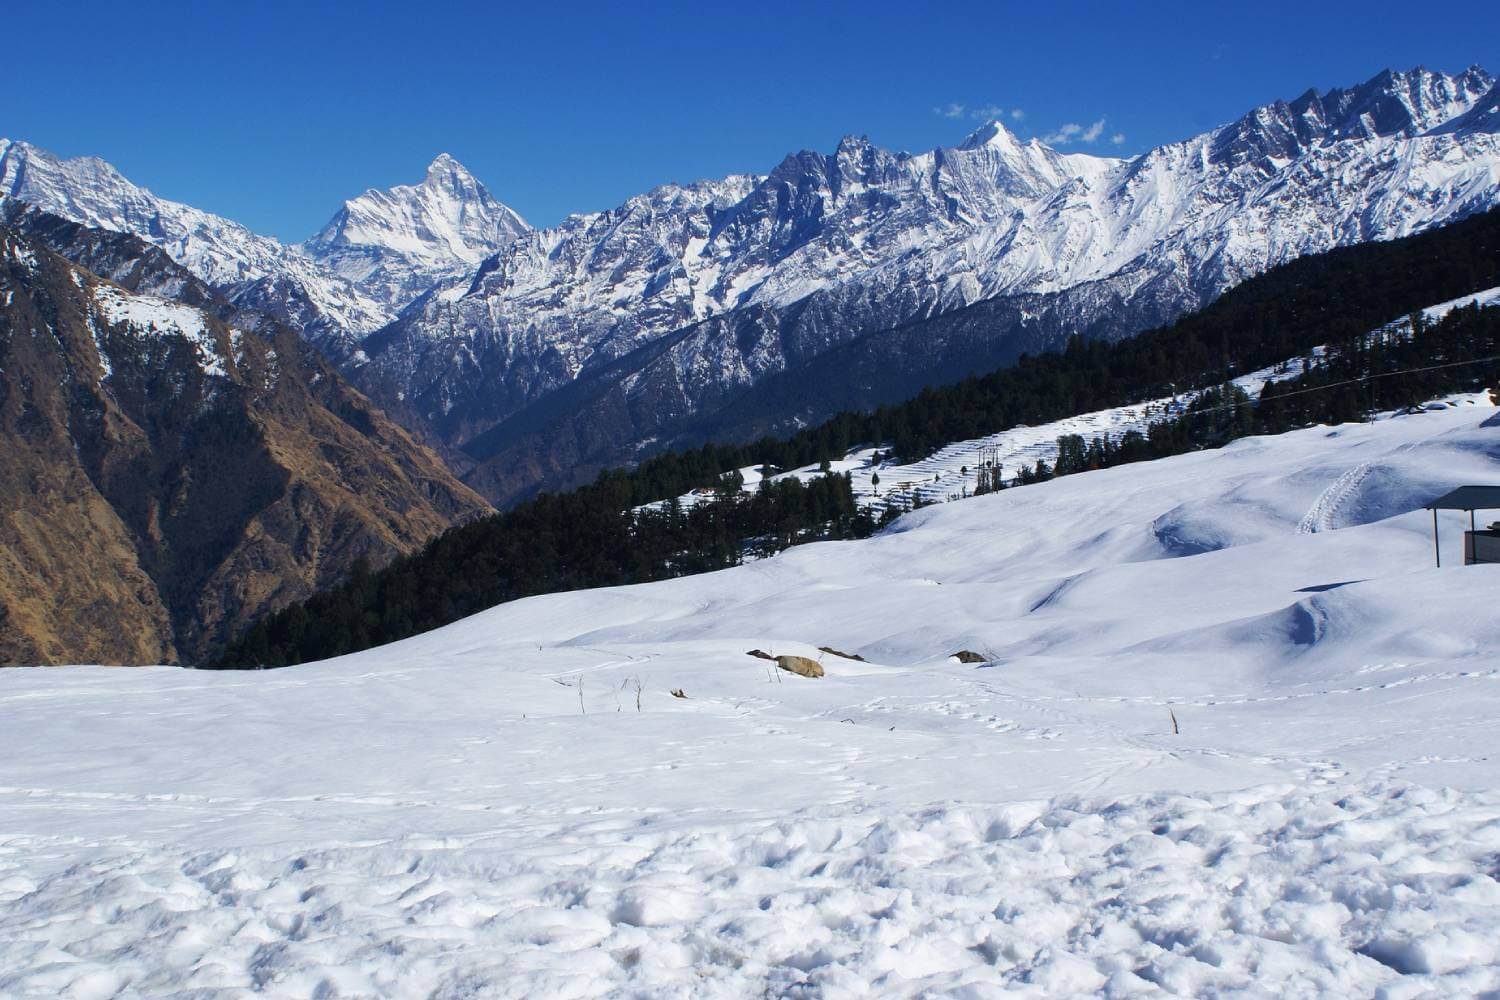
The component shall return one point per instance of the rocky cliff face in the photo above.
(171, 475)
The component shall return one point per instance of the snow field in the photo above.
(1375, 890)
(484, 811)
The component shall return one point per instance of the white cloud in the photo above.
(1074, 132)
(1118, 138)
(978, 112)
(1066, 133)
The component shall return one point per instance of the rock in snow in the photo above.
(803, 666)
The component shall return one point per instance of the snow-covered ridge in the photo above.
(221, 252)
(952, 472)
(148, 316)
(1485, 299)
(382, 250)
(485, 809)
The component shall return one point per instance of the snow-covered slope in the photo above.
(952, 472)
(826, 248)
(492, 809)
(396, 244)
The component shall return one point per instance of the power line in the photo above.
(1350, 381)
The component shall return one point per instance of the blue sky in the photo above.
(273, 113)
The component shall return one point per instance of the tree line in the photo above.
(590, 537)
(1354, 380)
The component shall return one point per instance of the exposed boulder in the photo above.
(969, 656)
(800, 665)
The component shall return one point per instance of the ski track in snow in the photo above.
(483, 811)
(1320, 515)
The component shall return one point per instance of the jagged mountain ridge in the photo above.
(170, 476)
(256, 272)
(380, 251)
(688, 296)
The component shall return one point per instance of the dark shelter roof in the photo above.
(1468, 498)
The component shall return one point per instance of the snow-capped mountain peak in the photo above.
(1407, 104)
(1484, 116)
(1390, 105)
(447, 177)
(445, 165)
(449, 214)
(992, 133)
(397, 243)
(379, 252)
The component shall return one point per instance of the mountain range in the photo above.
(536, 356)
(717, 310)
(378, 252)
(668, 320)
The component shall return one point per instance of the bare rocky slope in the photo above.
(171, 474)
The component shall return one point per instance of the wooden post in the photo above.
(1438, 552)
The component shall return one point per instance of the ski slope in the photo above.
(491, 809)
